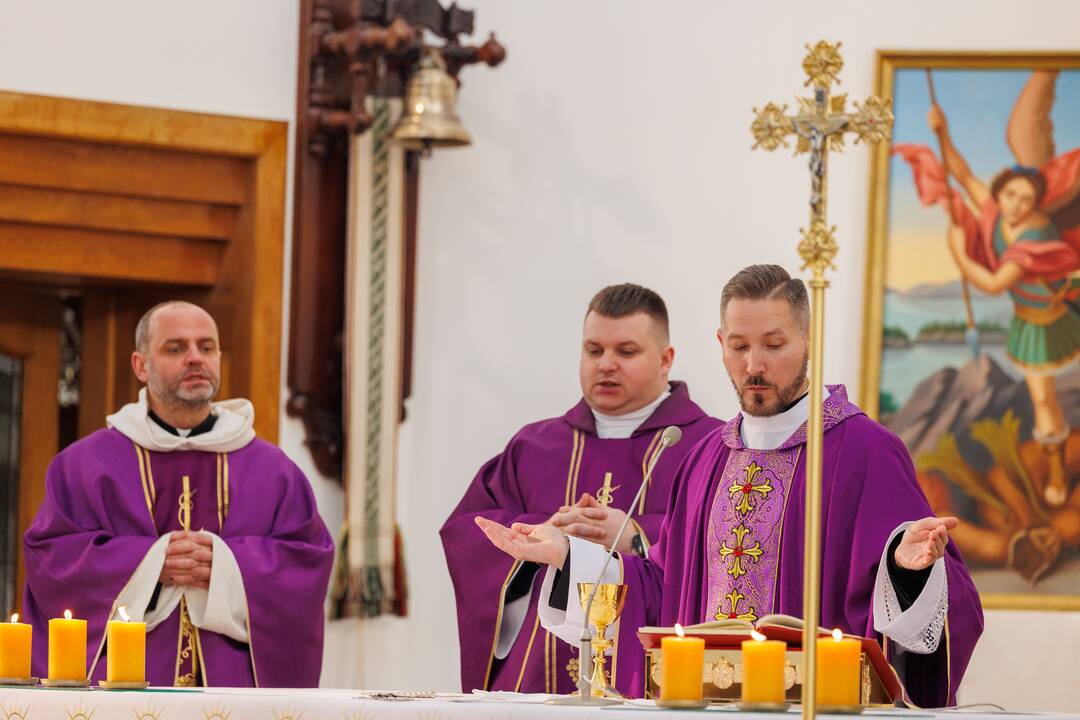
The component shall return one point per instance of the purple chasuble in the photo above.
(546, 465)
(732, 543)
(108, 500)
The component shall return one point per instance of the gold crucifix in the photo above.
(820, 126)
(604, 496)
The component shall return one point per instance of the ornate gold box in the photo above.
(722, 675)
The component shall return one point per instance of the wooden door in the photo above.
(29, 424)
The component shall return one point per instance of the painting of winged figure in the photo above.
(980, 357)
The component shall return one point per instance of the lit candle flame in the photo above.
(679, 631)
(67, 614)
(757, 636)
(15, 617)
(123, 614)
(837, 635)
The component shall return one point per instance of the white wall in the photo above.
(612, 145)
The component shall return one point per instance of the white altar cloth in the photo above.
(317, 704)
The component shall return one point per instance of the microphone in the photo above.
(671, 435)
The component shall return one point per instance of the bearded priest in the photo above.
(731, 545)
(179, 514)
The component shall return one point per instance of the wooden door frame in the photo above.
(258, 299)
(30, 331)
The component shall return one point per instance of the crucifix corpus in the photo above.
(820, 126)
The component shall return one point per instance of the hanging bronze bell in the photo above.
(429, 119)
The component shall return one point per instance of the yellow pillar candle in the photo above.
(763, 670)
(838, 665)
(682, 665)
(67, 648)
(15, 638)
(125, 650)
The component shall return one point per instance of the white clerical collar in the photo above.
(769, 433)
(233, 429)
(620, 427)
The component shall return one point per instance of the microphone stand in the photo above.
(671, 435)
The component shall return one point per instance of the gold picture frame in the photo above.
(893, 67)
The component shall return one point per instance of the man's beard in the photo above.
(175, 395)
(758, 406)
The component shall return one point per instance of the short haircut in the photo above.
(618, 301)
(142, 328)
(1036, 178)
(768, 282)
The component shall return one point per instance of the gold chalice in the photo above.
(607, 606)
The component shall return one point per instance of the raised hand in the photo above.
(542, 543)
(189, 559)
(924, 542)
(936, 120)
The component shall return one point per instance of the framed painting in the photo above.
(971, 349)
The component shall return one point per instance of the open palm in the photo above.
(543, 544)
(924, 542)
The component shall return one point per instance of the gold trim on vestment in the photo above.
(498, 624)
(547, 659)
(201, 657)
(187, 649)
(577, 466)
(528, 652)
(220, 519)
(570, 470)
(647, 458)
(225, 482)
(142, 479)
(150, 476)
(948, 660)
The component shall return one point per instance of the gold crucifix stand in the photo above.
(820, 127)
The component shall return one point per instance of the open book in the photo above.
(766, 625)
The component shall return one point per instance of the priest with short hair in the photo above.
(179, 514)
(731, 544)
(575, 474)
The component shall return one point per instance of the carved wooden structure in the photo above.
(349, 50)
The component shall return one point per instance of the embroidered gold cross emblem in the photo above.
(750, 485)
(186, 503)
(739, 552)
(734, 598)
(604, 496)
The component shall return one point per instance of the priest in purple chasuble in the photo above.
(578, 473)
(731, 544)
(179, 514)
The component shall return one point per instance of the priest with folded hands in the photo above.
(178, 513)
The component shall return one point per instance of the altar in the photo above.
(290, 704)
